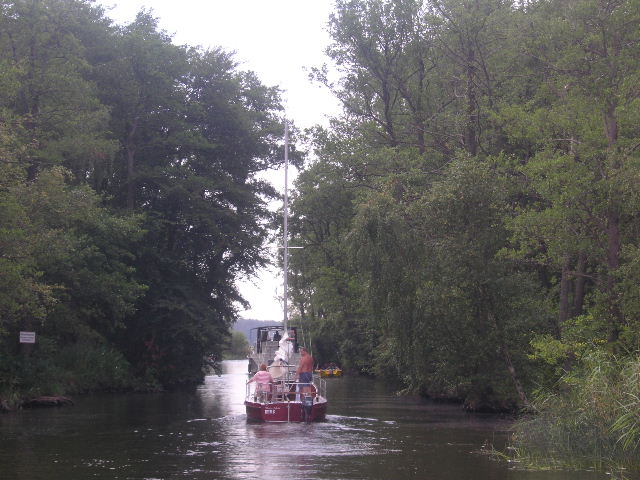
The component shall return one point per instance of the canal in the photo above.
(370, 433)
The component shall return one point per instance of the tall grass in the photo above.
(590, 421)
(627, 424)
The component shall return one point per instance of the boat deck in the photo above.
(285, 402)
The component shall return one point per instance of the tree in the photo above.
(143, 84)
(325, 290)
(62, 121)
(194, 132)
(68, 276)
(158, 209)
(238, 347)
(585, 132)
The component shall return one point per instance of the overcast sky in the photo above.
(280, 40)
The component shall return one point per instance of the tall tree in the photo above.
(172, 136)
(585, 134)
(471, 38)
(194, 133)
(326, 293)
(63, 121)
(143, 84)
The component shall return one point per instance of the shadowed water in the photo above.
(370, 433)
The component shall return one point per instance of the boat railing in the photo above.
(286, 391)
(321, 386)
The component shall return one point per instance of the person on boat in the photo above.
(304, 373)
(276, 336)
(285, 349)
(263, 380)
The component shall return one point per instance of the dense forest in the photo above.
(129, 201)
(470, 223)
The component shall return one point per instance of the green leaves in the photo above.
(129, 199)
(489, 152)
(51, 93)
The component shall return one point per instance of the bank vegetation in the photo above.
(129, 201)
(470, 222)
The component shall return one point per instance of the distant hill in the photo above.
(244, 325)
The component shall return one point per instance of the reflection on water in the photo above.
(203, 434)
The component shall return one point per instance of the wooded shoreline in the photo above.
(470, 223)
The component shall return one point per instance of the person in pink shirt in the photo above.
(263, 380)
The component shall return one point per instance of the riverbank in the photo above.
(591, 420)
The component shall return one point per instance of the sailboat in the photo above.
(276, 348)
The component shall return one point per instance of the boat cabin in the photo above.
(265, 341)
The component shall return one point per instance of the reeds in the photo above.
(592, 420)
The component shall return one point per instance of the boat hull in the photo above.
(285, 411)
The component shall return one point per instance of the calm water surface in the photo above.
(203, 434)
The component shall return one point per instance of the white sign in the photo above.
(27, 337)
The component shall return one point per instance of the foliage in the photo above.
(591, 421)
(129, 198)
(68, 277)
(62, 120)
(238, 346)
(325, 289)
(470, 221)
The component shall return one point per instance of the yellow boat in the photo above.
(330, 372)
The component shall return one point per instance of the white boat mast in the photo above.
(285, 242)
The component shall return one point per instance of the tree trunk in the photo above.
(613, 262)
(514, 376)
(131, 149)
(613, 224)
(506, 355)
(579, 283)
(419, 114)
(611, 125)
(565, 288)
(388, 117)
(471, 141)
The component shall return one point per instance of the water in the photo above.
(203, 434)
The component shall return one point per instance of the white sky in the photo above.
(280, 40)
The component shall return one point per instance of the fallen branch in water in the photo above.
(47, 401)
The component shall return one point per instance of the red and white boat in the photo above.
(287, 400)
(284, 400)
